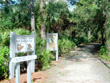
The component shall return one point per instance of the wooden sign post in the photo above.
(19, 44)
(52, 43)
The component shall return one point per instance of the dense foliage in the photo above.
(44, 57)
(88, 22)
(104, 52)
(4, 49)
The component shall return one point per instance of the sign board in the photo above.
(25, 43)
(52, 43)
(19, 44)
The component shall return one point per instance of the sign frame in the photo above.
(15, 66)
(56, 47)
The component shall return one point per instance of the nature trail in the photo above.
(80, 66)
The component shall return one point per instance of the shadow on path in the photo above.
(80, 66)
(84, 52)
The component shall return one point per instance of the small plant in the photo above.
(103, 50)
(4, 60)
(65, 45)
(104, 53)
(80, 40)
(45, 57)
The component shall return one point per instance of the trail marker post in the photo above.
(19, 44)
(52, 43)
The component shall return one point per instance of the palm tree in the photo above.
(43, 25)
(8, 3)
(32, 15)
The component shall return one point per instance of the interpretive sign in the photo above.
(52, 43)
(19, 44)
(24, 43)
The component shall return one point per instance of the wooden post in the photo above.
(17, 60)
(57, 48)
(56, 55)
(12, 54)
(17, 72)
(29, 71)
(33, 53)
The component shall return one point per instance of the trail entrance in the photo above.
(80, 66)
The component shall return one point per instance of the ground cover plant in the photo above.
(104, 53)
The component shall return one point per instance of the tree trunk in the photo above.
(43, 26)
(32, 16)
(89, 34)
(103, 36)
(8, 3)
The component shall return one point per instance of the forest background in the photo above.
(88, 22)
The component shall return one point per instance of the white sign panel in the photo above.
(24, 44)
(52, 43)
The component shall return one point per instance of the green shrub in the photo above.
(4, 39)
(4, 60)
(44, 56)
(103, 50)
(5, 35)
(65, 45)
(4, 49)
(5, 22)
(104, 53)
(79, 40)
(21, 31)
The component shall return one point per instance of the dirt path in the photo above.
(81, 66)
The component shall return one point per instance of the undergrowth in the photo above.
(104, 54)
(44, 57)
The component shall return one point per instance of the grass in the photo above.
(51, 81)
(61, 73)
(105, 57)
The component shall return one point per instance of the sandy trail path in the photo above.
(81, 66)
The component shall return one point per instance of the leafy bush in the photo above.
(104, 53)
(44, 56)
(65, 45)
(6, 22)
(21, 31)
(4, 60)
(4, 49)
(103, 50)
(5, 35)
(79, 40)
